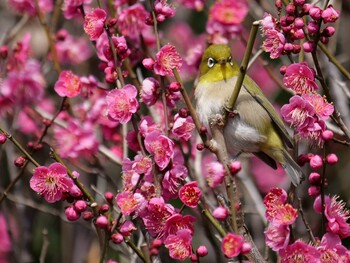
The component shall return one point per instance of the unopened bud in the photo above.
(331, 158)
(19, 161)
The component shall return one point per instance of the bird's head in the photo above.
(217, 64)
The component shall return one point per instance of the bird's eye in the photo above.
(229, 60)
(211, 62)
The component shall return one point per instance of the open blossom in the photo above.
(190, 194)
(131, 21)
(161, 147)
(232, 245)
(299, 252)
(150, 91)
(330, 15)
(179, 244)
(277, 236)
(68, 84)
(177, 222)
(323, 109)
(28, 6)
(225, 17)
(51, 182)
(127, 227)
(76, 139)
(163, 10)
(71, 49)
(337, 215)
(215, 174)
(126, 202)
(268, 23)
(332, 250)
(71, 8)
(197, 5)
(275, 197)
(300, 78)
(172, 180)
(157, 214)
(274, 43)
(183, 127)
(166, 60)
(122, 103)
(94, 23)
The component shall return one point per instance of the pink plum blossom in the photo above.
(231, 245)
(122, 103)
(177, 222)
(183, 127)
(332, 250)
(148, 125)
(51, 182)
(163, 10)
(274, 43)
(197, 5)
(215, 174)
(68, 84)
(29, 7)
(161, 147)
(127, 227)
(5, 240)
(76, 140)
(220, 213)
(172, 180)
(268, 23)
(126, 202)
(323, 109)
(131, 21)
(150, 91)
(94, 23)
(300, 78)
(330, 15)
(299, 252)
(337, 215)
(190, 194)
(277, 236)
(71, 8)
(166, 60)
(225, 17)
(179, 245)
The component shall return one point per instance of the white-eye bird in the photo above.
(256, 128)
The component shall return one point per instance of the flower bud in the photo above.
(299, 2)
(313, 191)
(299, 34)
(220, 213)
(71, 213)
(156, 243)
(316, 162)
(330, 15)
(174, 86)
(331, 158)
(80, 205)
(314, 178)
(235, 167)
(306, 8)
(328, 31)
(290, 9)
(308, 46)
(102, 221)
(183, 113)
(4, 52)
(296, 48)
(324, 40)
(117, 238)
(200, 146)
(154, 251)
(202, 251)
(88, 215)
(2, 138)
(327, 135)
(19, 161)
(246, 248)
(315, 12)
(288, 47)
(278, 4)
(283, 69)
(312, 27)
(109, 197)
(299, 22)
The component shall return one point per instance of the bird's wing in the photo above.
(258, 95)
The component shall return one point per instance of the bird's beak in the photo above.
(222, 63)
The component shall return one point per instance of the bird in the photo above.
(256, 127)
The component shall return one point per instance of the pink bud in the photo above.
(148, 63)
(306, 8)
(154, 251)
(278, 4)
(157, 243)
(246, 248)
(312, 27)
(202, 251)
(235, 167)
(174, 86)
(183, 113)
(308, 46)
(4, 51)
(80, 205)
(109, 197)
(283, 69)
(19, 161)
(71, 213)
(296, 48)
(220, 213)
(283, 21)
(290, 9)
(102, 221)
(327, 135)
(200, 146)
(2, 138)
(299, 34)
(313, 191)
(299, 2)
(331, 158)
(315, 12)
(194, 258)
(288, 47)
(316, 162)
(290, 20)
(117, 238)
(88, 215)
(314, 178)
(328, 31)
(104, 208)
(324, 40)
(299, 22)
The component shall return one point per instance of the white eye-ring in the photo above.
(211, 62)
(229, 60)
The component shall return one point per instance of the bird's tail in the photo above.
(293, 169)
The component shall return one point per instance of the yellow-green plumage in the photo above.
(257, 128)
